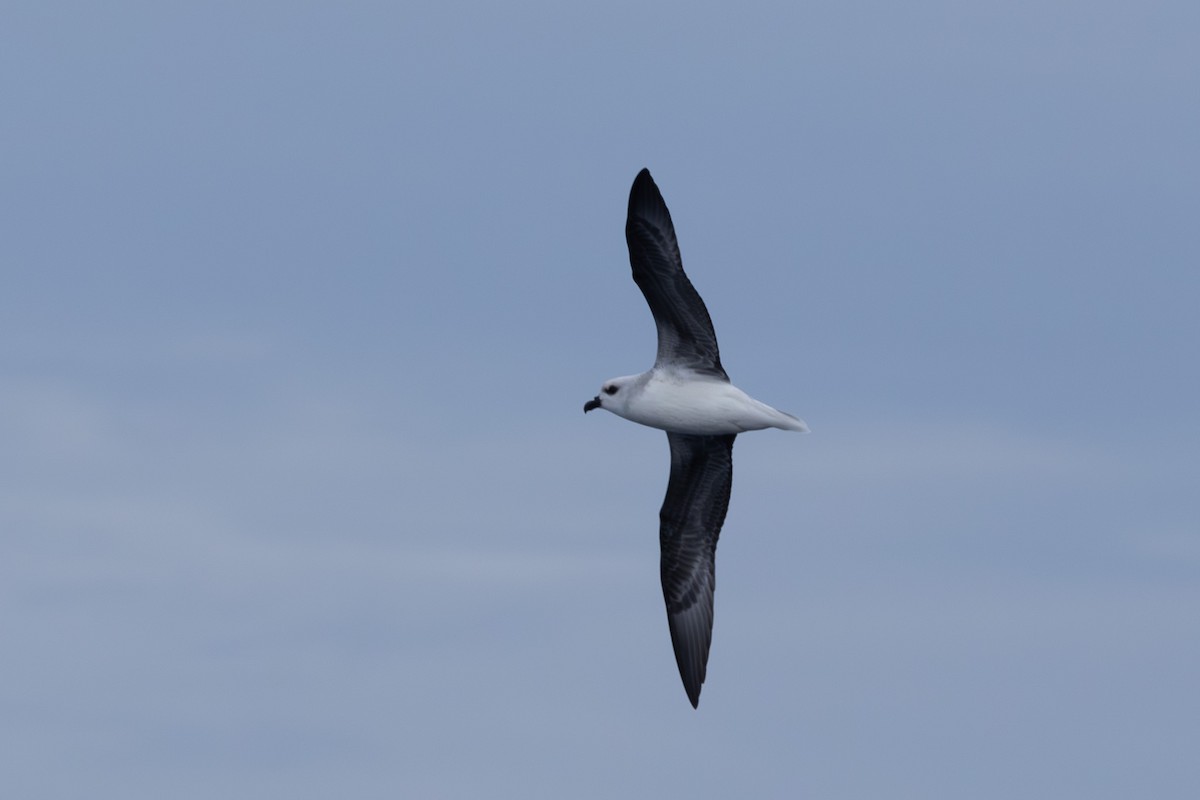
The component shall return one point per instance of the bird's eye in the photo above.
(610, 389)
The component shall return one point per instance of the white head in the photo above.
(614, 396)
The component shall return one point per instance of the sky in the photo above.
(300, 304)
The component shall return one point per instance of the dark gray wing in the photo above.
(685, 331)
(690, 522)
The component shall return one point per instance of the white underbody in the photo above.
(700, 405)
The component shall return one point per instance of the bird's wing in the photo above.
(690, 522)
(686, 338)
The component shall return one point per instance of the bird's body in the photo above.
(679, 401)
(687, 394)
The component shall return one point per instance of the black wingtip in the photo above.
(646, 203)
(644, 186)
(691, 685)
(691, 652)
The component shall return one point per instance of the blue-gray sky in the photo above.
(300, 303)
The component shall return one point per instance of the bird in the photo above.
(688, 394)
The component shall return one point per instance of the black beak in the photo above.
(590, 404)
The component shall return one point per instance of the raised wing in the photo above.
(690, 522)
(686, 337)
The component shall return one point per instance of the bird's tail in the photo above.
(790, 423)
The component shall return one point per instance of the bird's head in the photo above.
(614, 395)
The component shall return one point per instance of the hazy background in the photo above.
(300, 304)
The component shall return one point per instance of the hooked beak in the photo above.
(590, 404)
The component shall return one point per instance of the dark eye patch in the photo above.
(610, 390)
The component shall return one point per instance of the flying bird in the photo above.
(687, 394)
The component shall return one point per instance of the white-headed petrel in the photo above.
(687, 394)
